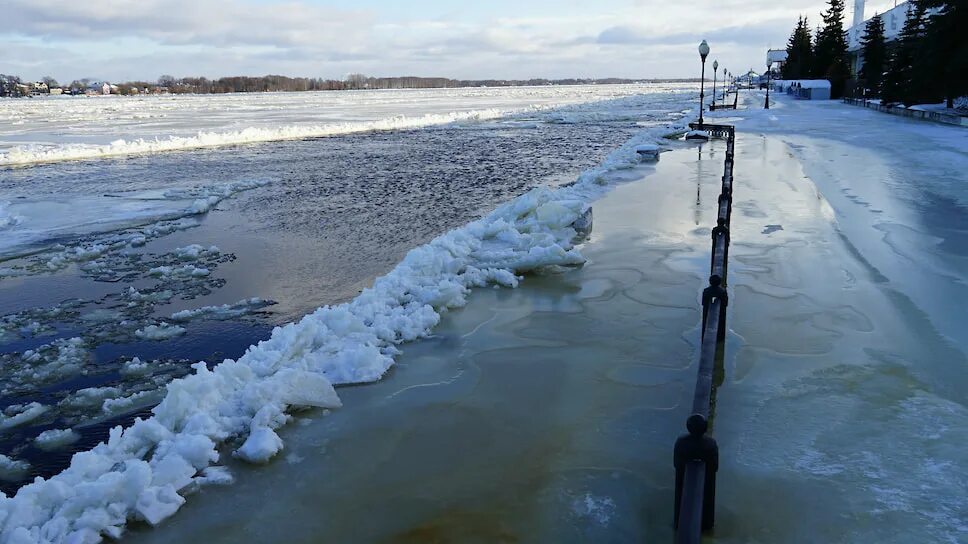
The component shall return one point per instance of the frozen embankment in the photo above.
(32, 154)
(142, 472)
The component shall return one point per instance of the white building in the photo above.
(776, 58)
(893, 23)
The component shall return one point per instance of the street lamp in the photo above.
(725, 86)
(703, 52)
(715, 69)
(767, 106)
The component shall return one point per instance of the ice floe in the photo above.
(224, 311)
(55, 439)
(12, 470)
(163, 331)
(19, 414)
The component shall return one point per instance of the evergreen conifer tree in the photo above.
(908, 78)
(799, 52)
(830, 57)
(948, 47)
(873, 51)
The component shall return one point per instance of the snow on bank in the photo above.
(142, 472)
(25, 155)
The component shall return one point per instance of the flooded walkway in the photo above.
(547, 413)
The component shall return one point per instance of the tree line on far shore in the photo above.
(14, 86)
(927, 63)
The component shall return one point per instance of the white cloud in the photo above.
(181, 22)
(140, 39)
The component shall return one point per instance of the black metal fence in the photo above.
(937, 117)
(696, 455)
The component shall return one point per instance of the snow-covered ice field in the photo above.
(61, 128)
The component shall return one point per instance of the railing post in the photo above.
(714, 291)
(696, 460)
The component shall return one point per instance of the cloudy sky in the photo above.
(142, 39)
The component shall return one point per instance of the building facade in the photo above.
(893, 23)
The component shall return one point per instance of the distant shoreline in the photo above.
(14, 87)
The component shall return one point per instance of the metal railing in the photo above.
(724, 105)
(696, 455)
(936, 116)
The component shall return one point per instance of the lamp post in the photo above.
(767, 106)
(725, 86)
(703, 52)
(715, 69)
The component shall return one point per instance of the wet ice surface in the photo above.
(853, 373)
(94, 327)
(845, 407)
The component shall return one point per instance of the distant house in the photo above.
(56, 90)
(749, 79)
(38, 88)
(106, 88)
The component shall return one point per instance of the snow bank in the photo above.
(141, 472)
(66, 152)
(648, 152)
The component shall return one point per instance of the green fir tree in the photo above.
(830, 52)
(874, 54)
(799, 52)
(947, 47)
(909, 79)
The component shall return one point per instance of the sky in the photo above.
(121, 40)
